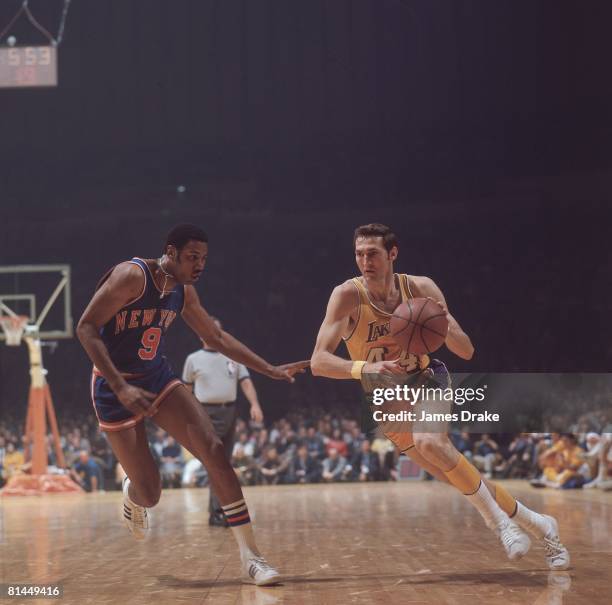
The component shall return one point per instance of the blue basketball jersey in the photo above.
(135, 336)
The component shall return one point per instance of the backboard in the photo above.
(42, 292)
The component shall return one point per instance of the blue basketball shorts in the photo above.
(112, 414)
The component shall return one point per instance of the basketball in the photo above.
(419, 326)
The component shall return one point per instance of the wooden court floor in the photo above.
(409, 542)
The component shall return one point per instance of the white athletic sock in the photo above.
(237, 515)
(492, 514)
(528, 519)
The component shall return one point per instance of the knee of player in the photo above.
(430, 443)
(210, 449)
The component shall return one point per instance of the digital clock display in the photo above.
(25, 66)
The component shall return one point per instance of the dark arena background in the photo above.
(480, 132)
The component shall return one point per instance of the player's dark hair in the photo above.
(377, 230)
(181, 234)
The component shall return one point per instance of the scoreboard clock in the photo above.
(28, 66)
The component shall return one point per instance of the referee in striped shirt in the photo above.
(214, 379)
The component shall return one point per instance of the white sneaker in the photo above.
(135, 517)
(257, 571)
(515, 541)
(557, 556)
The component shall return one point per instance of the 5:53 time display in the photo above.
(24, 66)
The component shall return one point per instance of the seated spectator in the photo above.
(314, 443)
(241, 426)
(14, 462)
(546, 441)
(171, 463)
(87, 473)
(80, 439)
(101, 450)
(274, 432)
(194, 473)
(302, 435)
(485, 455)
(271, 468)
(245, 444)
(387, 457)
(462, 442)
(157, 443)
(599, 455)
(365, 465)
(333, 466)
(354, 438)
(303, 468)
(244, 466)
(261, 443)
(50, 447)
(72, 450)
(518, 459)
(560, 464)
(336, 442)
(287, 441)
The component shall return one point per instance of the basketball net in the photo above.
(13, 327)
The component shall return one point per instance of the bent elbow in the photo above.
(315, 365)
(81, 330)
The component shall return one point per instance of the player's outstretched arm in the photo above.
(342, 302)
(201, 323)
(124, 284)
(457, 340)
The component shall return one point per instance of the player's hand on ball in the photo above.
(389, 368)
(135, 399)
(288, 370)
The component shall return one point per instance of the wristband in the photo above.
(357, 369)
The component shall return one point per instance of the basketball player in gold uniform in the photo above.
(359, 312)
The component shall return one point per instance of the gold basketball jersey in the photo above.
(371, 338)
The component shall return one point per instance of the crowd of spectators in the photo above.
(321, 447)
(291, 450)
(558, 460)
(88, 458)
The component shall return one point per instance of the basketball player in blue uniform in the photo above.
(123, 331)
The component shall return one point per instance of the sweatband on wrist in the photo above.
(357, 369)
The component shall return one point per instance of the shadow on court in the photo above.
(509, 578)
(173, 582)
